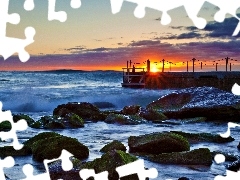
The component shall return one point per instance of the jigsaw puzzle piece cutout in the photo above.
(236, 89)
(87, 173)
(29, 5)
(137, 167)
(7, 162)
(230, 175)
(228, 132)
(60, 15)
(8, 45)
(66, 166)
(227, 7)
(21, 125)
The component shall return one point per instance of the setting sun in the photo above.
(154, 69)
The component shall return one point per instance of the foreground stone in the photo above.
(85, 110)
(49, 145)
(212, 103)
(152, 115)
(157, 143)
(131, 110)
(109, 162)
(201, 156)
(204, 137)
(114, 145)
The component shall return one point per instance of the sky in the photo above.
(93, 38)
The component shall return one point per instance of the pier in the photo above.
(139, 78)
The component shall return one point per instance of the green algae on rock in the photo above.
(109, 162)
(204, 137)
(49, 145)
(201, 156)
(124, 119)
(157, 143)
(114, 145)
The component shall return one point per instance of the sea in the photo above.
(38, 93)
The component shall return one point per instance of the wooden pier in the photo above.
(174, 80)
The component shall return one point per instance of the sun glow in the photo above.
(154, 69)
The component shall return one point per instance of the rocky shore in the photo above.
(192, 105)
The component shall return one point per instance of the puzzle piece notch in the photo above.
(228, 132)
(66, 165)
(87, 173)
(21, 125)
(8, 45)
(192, 9)
(29, 5)
(7, 162)
(137, 167)
(60, 15)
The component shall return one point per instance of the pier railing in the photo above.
(133, 77)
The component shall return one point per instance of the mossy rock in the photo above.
(85, 110)
(54, 125)
(152, 115)
(201, 156)
(109, 162)
(114, 145)
(131, 110)
(10, 151)
(49, 145)
(204, 137)
(5, 126)
(157, 143)
(124, 119)
(75, 121)
(17, 117)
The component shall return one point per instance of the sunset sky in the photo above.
(93, 38)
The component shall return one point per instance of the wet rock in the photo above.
(124, 119)
(56, 172)
(152, 115)
(49, 145)
(204, 137)
(212, 103)
(238, 146)
(5, 126)
(131, 110)
(235, 166)
(157, 143)
(10, 151)
(17, 117)
(109, 162)
(183, 178)
(71, 120)
(85, 110)
(114, 145)
(228, 156)
(201, 156)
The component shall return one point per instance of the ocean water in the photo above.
(38, 93)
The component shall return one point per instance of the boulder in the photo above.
(104, 105)
(49, 145)
(201, 156)
(5, 126)
(124, 119)
(10, 151)
(114, 145)
(204, 137)
(71, 120)
(85, 110)
(151, 114)
(109, 162)
(212, 103)
(17, 117)
(157, 143)
(131, 110)
(234, 166)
